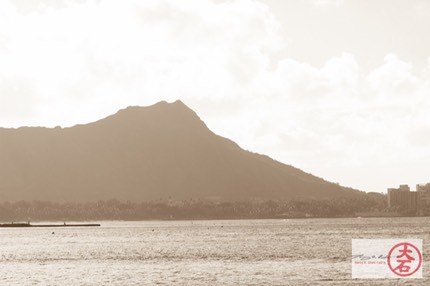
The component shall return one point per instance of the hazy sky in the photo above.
(340, 89)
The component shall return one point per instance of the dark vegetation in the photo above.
(186, 209)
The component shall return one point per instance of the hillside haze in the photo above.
(145, 153)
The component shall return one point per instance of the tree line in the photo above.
(184, 209)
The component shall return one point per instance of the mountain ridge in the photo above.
(145, 153)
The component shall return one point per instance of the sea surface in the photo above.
(220, 252)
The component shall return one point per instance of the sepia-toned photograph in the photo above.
(215, 142)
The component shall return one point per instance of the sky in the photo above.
(339, 89)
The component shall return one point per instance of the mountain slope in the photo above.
(145, 153)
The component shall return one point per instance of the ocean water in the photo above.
(225, 252)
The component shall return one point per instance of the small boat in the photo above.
(28, 224)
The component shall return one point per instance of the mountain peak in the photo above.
(161, 112)
(161, 105)
(177, 104)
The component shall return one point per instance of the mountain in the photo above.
(145, 153)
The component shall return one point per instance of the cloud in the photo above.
(335, 120)
(393, 76)
(135, 52)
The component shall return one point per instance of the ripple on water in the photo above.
(252, 252)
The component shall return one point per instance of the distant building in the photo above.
(423, 187)
(398, 197)
(424, 199)
(413, 203)
(404, 188)
(403, 200)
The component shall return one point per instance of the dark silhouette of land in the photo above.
(188, 209)
(142, 154)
